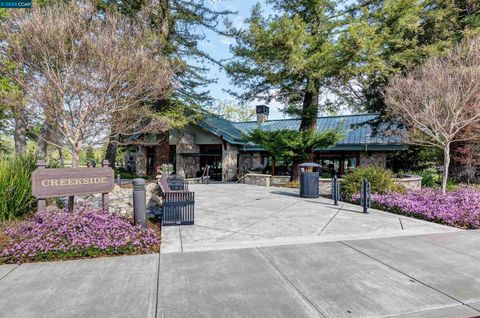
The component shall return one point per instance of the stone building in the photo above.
(219, 143)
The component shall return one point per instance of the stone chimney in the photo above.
(262, 113)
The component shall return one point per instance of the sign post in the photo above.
(51, 183)
(105, 197)
(41, 203)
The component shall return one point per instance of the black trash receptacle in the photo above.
(309, 180)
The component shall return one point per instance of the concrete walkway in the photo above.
(264, 252)
(238, 216)
(433, 275)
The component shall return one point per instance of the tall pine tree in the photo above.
(387, 37)
(289, 55)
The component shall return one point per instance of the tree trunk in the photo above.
(111, 153)
(446, 166)
(20, 135)
(42, 144)
(310, 106)
(60, 157)
(309, 118)
(295, 173)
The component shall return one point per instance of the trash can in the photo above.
(309, 180)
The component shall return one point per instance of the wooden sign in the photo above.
(51, 183)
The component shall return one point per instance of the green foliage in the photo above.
(289, 55)
(429, 178)
(15, 181)
(381, 180)
(387, 37)
(89, 155)
(181, 27)
(291, 145)
(415, 158)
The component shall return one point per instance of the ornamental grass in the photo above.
(459, 208)
(85, 232)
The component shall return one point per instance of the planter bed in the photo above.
(459, 208)
(86, 232)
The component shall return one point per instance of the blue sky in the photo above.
(219, 47)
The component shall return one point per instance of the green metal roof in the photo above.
(221, 127)
(359, 132)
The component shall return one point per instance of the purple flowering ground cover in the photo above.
(459, 208)
(85, 232)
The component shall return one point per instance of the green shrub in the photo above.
(16, 186)
(380, 179)
(429, 178)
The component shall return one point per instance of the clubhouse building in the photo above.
(219, 143)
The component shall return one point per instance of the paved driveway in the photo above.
(238, 215)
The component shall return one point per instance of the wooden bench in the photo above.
(178, 205)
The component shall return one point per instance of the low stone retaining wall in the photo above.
(279, 180)
(409, 182)
(258, 179)
(264, 180)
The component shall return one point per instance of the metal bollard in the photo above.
(139, 202)
(365, 192)
(119, 180)
(335, 190)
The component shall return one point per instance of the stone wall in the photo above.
(409, 182)
(378, 159)
(187, 166)
(257, 179)
(249, 161)
(279, 180)
(229, 162)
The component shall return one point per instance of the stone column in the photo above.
(187, 166)
(141, 161)
(229, 161)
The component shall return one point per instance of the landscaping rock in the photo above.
(121, 200)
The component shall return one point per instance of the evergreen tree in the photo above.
(292, 146)
(387, 37)
(289, 55)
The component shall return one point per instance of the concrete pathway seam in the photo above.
(249, 225)
(180, 236)
(423, 311)
(158, 285)
(299, 293)
(447, 248)
(9, 272)
(409, 276)
(331, 219)
(401, 224)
